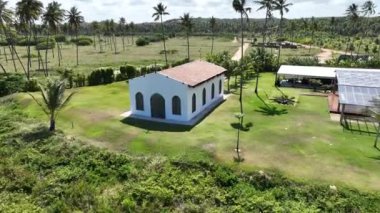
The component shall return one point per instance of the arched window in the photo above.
(204, 96)
(176, 105)
(194, 103)
(220, 86)
(212, 91)
(139, 101)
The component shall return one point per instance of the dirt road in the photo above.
(325, 54)
(238, 55)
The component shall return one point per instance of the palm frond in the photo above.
(39, 104)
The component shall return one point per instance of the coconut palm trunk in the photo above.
(5, 55)
(188, 45)
(46, 54)
(52, 121)
(13, 57)
(123, 40)
(76, 37)
(59, 54)
(164, 40)
(212, 43)
(241, 63)
(29, 63)
(2, 67)
(377, 135)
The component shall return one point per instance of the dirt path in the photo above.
(325, 54)
(238, 55)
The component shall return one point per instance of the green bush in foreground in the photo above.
(42, 171)
(13, 83)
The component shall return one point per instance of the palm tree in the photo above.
(282, 6)
(292, 28)
(95, 29)
(213, 26)
(75, 19)
(132, 28)
(240, 7)
(368, 9)
(113, 38)
(53, 99)
(187, 24)
(6, 18)
(268, 6)
(332, 25)
(352, 14)
(314, 27)
(28, 11)
(122, 22)
(52, 17)
(160, 11)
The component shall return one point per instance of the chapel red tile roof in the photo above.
(193, 73)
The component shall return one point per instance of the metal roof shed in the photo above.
(357, 90)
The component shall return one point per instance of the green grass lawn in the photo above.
(91, 58)
(300, 141)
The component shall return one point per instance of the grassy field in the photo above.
(91, 58)
(300, 141)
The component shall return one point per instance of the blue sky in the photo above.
(141, 10)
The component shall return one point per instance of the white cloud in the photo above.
(141, 10)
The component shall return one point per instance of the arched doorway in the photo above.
(157, 106)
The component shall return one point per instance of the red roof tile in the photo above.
(193, 73)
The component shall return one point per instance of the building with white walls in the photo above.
(180, 94)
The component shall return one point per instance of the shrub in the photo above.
(31, 85)
(149, 69)
(155, 38)
(263, 61)
(13, 83)
(80, 80)
(129, 205)
(180, 62)
(82, 41)
(315, 83)
(129, 71)
(60, 38)
(46, 45)
(225, 177)
(24, 42)
(31, 56)
(101, 76)
(171, 52)
(142, 41)
(67, 75)
(303, 61)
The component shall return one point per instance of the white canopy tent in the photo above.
(289, 71)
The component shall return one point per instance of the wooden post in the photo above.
(342, 115)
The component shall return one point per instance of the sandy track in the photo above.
(325, 54)
(238, 55)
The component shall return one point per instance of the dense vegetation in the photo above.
(45, 171)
